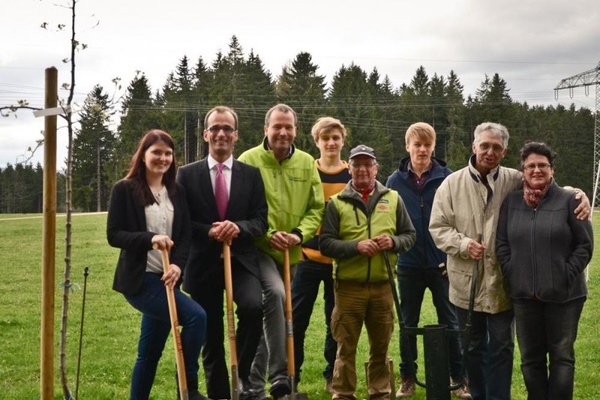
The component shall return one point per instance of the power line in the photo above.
(587, 79)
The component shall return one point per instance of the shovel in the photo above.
(181, 376)
(235, 391)
(289, 323)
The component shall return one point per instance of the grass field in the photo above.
(111, 326)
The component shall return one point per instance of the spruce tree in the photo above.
(92, 150)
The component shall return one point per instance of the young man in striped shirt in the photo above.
(329, 135)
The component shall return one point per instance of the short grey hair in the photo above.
(495, 129)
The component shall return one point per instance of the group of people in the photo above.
(339, 226)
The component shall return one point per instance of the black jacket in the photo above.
(126, 229)
(543, 251)
(247, 208)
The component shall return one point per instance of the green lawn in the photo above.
(111, 325)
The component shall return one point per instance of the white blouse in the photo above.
(159, 219)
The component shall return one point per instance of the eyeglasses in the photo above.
(496, 148)
(533, 166)
(228, 130)
(365, 165)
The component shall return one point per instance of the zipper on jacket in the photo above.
(369, 235)
(424, 227)
(532, 244)
(278, 176)
(356, 215)
(368, 215)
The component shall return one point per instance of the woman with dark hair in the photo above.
(147, 213)
(543, 249)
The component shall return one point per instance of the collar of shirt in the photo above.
(420, 180)
(427, 171)
(364, 193)
(212, 162)
(212, 165)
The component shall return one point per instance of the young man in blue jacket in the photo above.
(424, 265)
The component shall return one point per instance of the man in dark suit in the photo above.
(244, 219)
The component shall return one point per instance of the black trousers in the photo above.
(247, 295)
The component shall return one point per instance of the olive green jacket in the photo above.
(348, 220)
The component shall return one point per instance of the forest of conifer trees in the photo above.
(374, 111)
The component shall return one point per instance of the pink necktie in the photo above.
(221, 191)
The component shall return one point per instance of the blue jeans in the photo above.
(412, 283)
(305, 289)
(546, 333)
(151, 301)
(490, 353)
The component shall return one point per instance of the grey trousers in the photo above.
(271, 354)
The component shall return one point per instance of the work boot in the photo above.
(407, 388)
(246, 392)
(280, 388)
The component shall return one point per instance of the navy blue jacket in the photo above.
(424, 254)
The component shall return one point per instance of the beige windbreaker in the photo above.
(464, 208)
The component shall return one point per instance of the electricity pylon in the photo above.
(587, 79)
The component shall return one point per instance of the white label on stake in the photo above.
(46, 112)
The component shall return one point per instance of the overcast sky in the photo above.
(532, 44)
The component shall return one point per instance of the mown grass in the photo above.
(111, 326)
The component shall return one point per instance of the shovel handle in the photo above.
(179, 361)
(230, 321)
(289, 320)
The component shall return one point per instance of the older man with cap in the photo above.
(362, 222)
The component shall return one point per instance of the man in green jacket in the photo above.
(296, 204)
(362, 222)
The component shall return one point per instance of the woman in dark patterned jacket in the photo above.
(543, 249)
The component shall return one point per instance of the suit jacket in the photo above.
(126, 229)
(247, 208)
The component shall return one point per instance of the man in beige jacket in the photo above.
(463, 224)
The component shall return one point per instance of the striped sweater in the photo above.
(332, 184)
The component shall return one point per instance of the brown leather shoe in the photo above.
(407, 388)
(462, 392)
